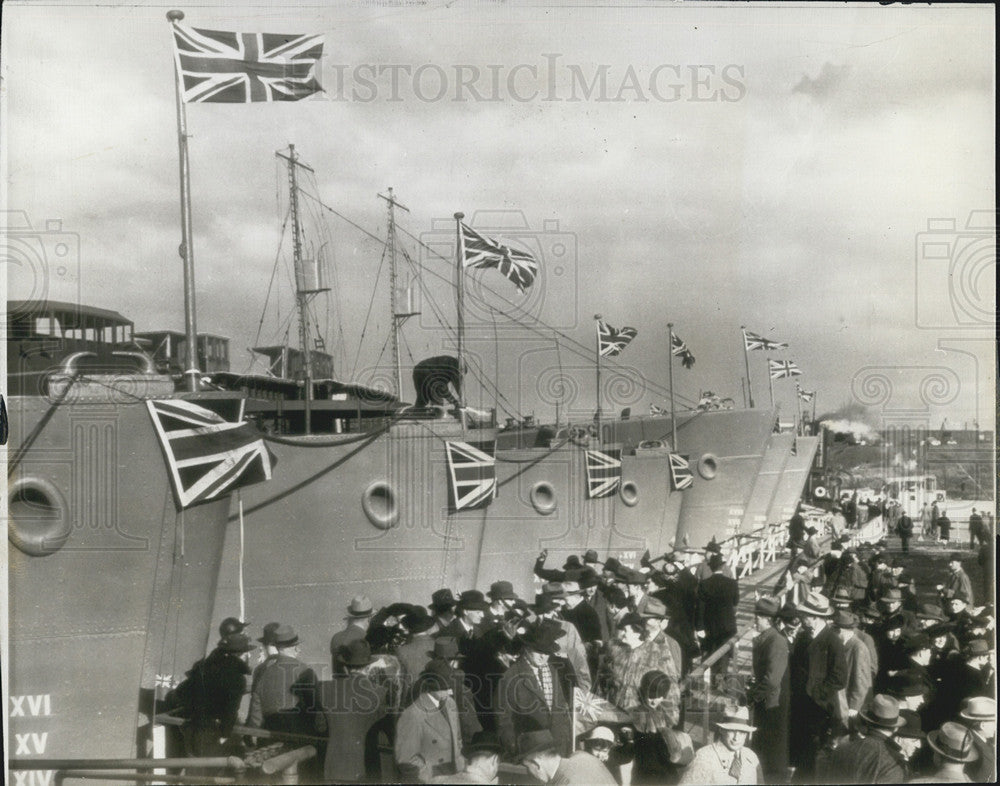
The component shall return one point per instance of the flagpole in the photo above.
(670, 376)
(597, 347)
(191, 372)
(746, 362)
(798, 408)
(461, 315)
(770, 379)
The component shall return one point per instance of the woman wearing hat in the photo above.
(630, 658)
(726, 759)
(660, 752)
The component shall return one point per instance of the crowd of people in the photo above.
(855, 678)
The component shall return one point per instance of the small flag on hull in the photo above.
(604, 472)
(480, 251)
(680, 472)
(680, 349)
(612, 341)
(207, 456)
(655, 410)
(472, 474)
(220, 67)
(807, 395)
(780, 369)
(753, 341)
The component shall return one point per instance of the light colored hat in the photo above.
(571, 588)
(360, 606)
(815, 605)
(979, 708)
(954, 742)
(736, 719)
(602, 733)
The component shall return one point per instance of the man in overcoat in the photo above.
(770, 692)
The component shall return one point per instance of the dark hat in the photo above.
(766, 607)
(588, 578)
(652, 607)
(939, 629)
(482, 742)
(542, 638)
(634, 577)
(883, 712)
(953, 742)
(845, 619)
(631, 619)
(811, 530)
(544, 604)
(590, 558)
(502, 590)
(572, 562)
(930, 611)
(716, 561)
(612, 564)
(442, 599)
(472, 600)
(713, 546)
(357, 654)
(418, 620)
(905, 684)
(236, 643)
(360, 606)
(267, 636)
(894, 621)
(788, 613)
(916, 641)
(232, 625)
(437, 675)
(284, 636)
(397, 610)
(445, 648)
(912, 727)
(842, 595)
(534, 742)
(954, 557)
(975, 648)
(870, 610)
(892, 593)
(553, 589)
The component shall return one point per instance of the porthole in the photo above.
(380, 504)
(629, 492)
(39, 522)
(708, 466)
(543, 497)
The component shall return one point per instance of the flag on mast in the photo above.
(680, 471)
(216, 66)
(655, 410)
(481, 251)
(680, 349)
(753, 341)
(806, 395)
(611, 340)
(472, 474)
(780, 369)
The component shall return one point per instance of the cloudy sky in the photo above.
(702, 164)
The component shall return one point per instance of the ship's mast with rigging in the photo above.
(398, 318)
(302, 294)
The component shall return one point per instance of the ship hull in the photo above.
(309, 543)
(111, 588)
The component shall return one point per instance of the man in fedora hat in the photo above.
(470, 611)
(536, 693)
(726, 759)
(353, 707)
(284, 697)
(958, 581)
(872, 758)
(428, 736)
(769, 692)
(827, 676)
(718, 596)
(665, 649)
(482, 761)
(413, 654)
(442, 609)
(551, 574)
(549, 606)
(359, 614)
(502, 599)
(979, 714)
(954, 749)
(857, 659)
(545, 759)
(449, 660)
(211, 694)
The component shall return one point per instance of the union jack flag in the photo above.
(680, 472)
(604, 472)
(679, 348)
(241, 68)
(480, 251)
(782, 368)
(612, 341)
(753, 341)
(655, 410)
(806, 395)
(207, 456)
(472, 473)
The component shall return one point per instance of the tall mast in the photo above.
(397, 318)
(302, 295)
